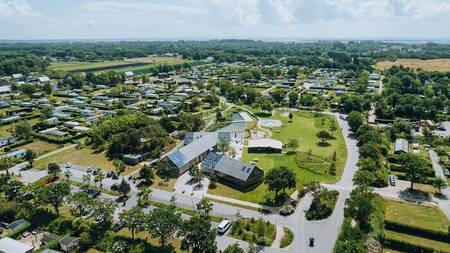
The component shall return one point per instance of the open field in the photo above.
(310, 162)
(416, 215)
(436, 245)
(40, 147)
(83, 157)
(430, 65)
(119, 65)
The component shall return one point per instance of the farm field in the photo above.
(310, 162)
(416, 215)
(436, 245)
(430, 65)
(119, 65)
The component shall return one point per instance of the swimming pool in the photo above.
(270, 123)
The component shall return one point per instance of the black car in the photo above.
(114, 187)
(109, 174)
(93, 192)
(311, 242)
(115, 176)
(118, 226)
(28, 196)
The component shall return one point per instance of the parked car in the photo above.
(109, 174)
(28, 196)
(447, 172)
(118, 226)
(342, 117)
(25, 234)
(89, 169)
(115, 176)
(392, 180)
(223, 226)
(114, 186)
(68, 165)
(4, 224)
(287, 210)
(87, 214)
(311, 242)
(93, 192)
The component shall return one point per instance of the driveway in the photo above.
(185, 186)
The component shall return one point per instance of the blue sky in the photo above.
(201, 19)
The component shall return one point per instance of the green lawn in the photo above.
(416, 215)
(310, 162)
(437, 245)
(83, 157)
(76, 65)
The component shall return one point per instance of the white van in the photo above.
(224, 226)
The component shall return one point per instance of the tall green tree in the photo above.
(198, 235)
(355, 119)
(53, 169)
(280, 179)
(30, 156)
(416, 169)
(134, 218)
(53, 194)
(163, 223)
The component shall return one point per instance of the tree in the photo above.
(292, 143)
(439, 183)
(224, 145)
(196, 173)
(47, 88)
(147, 173)
(81, 202)
(198, 235)
(30, 155)
(104, 211)
(359, 206)
(124, 188)
(98, 178)
(144, 196)
(324, 135)
(5, 164)
(416, 169)
(53, 169)
(204, 206)
(68, 174)
(133, 218)
(11, 189)
(86, 179)
(163, 223)
(355, 120)
(120, 166)
(53, 194)
(233, 248)
(280, 179)
(23, 130)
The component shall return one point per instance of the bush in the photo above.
(9, 210)
(404, 246)
(323, 205)
(287, 239)
(417, 231)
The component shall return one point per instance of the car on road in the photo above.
(447, 172)
(342, 117)
(441, 127)
(68, 165)
(114, 186)
(223, 226)
(89, 169)
(392, 180)
(311, 242)
(118, 226)
(109, 174)
(115, 176)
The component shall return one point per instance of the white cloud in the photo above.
(139, 7)
(14, 7)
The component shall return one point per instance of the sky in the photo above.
(211, 19)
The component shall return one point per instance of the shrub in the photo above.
(406, 246)
(322, 206)
(287, 239)
(417, 231)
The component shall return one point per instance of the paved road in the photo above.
(301, 228)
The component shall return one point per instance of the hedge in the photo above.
(19, 231)
(407, 246)
(417, 231)
(17, 144)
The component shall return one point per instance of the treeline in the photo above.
(16, 63)
(354, 55)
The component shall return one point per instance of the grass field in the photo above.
(40, 147)
(116, 65)
(309, 163)
(430, 65)
(83, 157)
(437, 245)
(416, 215)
